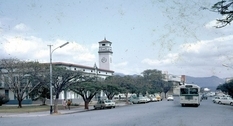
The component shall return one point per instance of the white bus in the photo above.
(190, 95)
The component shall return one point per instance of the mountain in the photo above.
(205, 82)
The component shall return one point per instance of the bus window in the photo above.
(183, 91)
(193, 91)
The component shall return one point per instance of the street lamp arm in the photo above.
(60, 46)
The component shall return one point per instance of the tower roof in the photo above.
(105, 41)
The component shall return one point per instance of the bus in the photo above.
(190, 95)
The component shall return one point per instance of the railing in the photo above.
(106, 48)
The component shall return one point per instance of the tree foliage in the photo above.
(227, 88)
(111, 87)
(87, 87)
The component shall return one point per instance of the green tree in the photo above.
(41, 92)
(227, 88)
(62, 79)
(155, 80)
(87, 88)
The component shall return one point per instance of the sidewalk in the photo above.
(47, 113)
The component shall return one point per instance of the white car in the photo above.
(137, 100)
(102, 104)
(216, 99)
(147, 99)
(170, 98)
(226, 101)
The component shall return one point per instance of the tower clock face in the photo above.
(104, 60)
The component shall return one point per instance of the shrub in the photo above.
(3, 99)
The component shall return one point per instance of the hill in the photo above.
(206, 82)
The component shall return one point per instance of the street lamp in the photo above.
(51, 74)
(96, 77)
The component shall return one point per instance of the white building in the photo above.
(103, 71)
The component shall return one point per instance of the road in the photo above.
(164, 113)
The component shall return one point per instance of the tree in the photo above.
(62, 79)
(41, 92)
(225, 8)
(110, 87)
(155, 80)
(111, 90)
(18, 76)
(227, 87)
(87, 88)
(3, 99)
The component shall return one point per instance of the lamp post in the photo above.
(51, 74)
(96, 77)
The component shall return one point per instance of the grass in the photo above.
(29, 108)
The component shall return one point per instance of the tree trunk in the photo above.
(44, 100)
(86, 105)
(19, 103)
(127, 101)
(56, 105)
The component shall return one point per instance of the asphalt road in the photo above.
(164, 113)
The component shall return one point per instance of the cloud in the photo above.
(168, 59)
(211, 24)
(21, 27)
(33, 48)
(199, 58)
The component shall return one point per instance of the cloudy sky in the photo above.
(175, 36)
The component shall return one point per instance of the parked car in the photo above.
(102, 104)
(226, 101)
(147, 99)
(216, 99)
(136, 100)
(152, 98)
(158, 97)
(170, 98)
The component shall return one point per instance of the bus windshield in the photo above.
(187, 91)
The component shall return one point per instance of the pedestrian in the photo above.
(64, 103)
(69, 103)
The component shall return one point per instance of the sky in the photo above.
(174, 36)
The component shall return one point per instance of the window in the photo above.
(193, 91)
(7, 93)
(183, 91)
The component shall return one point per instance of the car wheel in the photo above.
(231, 103)
(219, 102)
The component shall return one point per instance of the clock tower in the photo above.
(105, 54)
